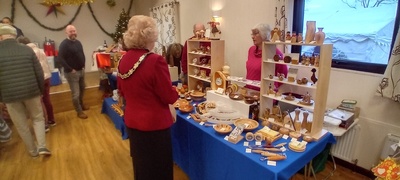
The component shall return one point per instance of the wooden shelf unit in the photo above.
(318, 91)
(216, 55)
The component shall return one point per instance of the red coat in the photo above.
(148, 91)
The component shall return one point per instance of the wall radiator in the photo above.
(345, 145)
(390, 145)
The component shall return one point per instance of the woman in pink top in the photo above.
(259, 34)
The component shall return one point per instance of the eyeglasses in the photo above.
(254, 33)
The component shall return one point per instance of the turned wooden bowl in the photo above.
(222, 128)
(197, 96)
(186, 108)
(248, 124)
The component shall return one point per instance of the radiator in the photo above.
(390, 145)
(345, 145)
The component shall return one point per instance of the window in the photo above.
(361, 31)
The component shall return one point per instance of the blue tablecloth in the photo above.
(203, 154)
(114, 116)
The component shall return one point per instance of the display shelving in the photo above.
(318, 91)
(214, 53)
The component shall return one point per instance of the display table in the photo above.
(203, 154)
(114, 116)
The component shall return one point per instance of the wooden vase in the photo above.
(320, 36)
(310, 33)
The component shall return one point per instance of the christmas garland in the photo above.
(44, 26)
(70, 22)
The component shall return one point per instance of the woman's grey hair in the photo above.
(141, 32)
(264, 30)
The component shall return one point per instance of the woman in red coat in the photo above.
(144, 82)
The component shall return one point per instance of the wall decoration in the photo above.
(53, 8)
(166, 16)
(390, 84)
(64, 26)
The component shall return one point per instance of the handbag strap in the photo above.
(135, 66)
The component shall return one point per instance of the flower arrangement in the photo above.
(388, 169)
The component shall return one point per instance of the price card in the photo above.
(285, 136)
(283, 149)
(258, 143)
(246, 143)
(188, 117)
(220, 91)
(226, 138)
(201, 123)
(248, 150)
(271, 163)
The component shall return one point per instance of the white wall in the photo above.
(89, 32)
(378, 116)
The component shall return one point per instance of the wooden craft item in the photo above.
(258, 137)
(305, 120)
(314, 79)
(248, 124)
(218, 81)
(223, 128)
(249, 136)
(297, 146)
(235, 136)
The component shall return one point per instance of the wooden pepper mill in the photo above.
(297, 123)
(305, 120)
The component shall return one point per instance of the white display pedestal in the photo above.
(239, 105)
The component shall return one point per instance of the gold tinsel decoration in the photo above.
(67, 2)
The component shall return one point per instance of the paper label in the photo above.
(246, 143)
(285, 136)
(271, 163)
(248, 150)
(201, 123)
(258, 143)
(220, 91)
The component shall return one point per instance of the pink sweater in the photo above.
(253, 65)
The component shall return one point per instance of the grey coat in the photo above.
(21, 76)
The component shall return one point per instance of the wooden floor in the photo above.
(89, 149)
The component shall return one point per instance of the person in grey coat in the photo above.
(21, 85)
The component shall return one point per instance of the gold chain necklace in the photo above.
(135, 66)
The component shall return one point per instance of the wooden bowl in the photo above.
(308, 138)
(236, 96)
(186, 108)
(223, 128)
(249, 100)
(251, 124)
(197, 96)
